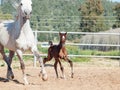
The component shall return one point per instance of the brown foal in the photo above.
(59, 52)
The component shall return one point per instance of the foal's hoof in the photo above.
(72, 75)
(63, 78)
(44, 77)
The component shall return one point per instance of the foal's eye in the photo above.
(21, 4)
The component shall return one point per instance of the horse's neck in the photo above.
(61, 45)
(23, 25)
(22, 28)
(26, 26)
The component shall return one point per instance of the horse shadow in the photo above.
(3, 79)
(6, 80)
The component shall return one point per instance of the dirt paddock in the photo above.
(98, 75)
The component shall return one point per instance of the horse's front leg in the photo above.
(43, 71)
(10, 74)
(6, 59)
(62, 69)
(19, 54)
(71, 65)
(55, 66)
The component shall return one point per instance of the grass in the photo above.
(25, 58)
(78, 59)
(2, 64)
(73, 50)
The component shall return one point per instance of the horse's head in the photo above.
(62, 36)
(25, 8)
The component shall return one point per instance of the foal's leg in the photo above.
(71, 65)
(10, 74)
(6, 59)
(55, 67)
(19, 54)
(43, 71)
(62, 69)
(49, 57)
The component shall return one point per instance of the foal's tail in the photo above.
(50, 43)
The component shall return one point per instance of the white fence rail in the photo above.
(81, 44)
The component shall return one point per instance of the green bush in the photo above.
(6, 16)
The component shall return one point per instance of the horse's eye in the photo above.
(21, 4)
(30, 12)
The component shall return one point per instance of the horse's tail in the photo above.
(50, 43)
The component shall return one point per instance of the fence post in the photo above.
(35, 59)
(119, 48)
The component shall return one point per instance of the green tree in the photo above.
(7, 8)
(92, 19)
(117, 14)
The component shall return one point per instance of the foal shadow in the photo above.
(49, 65)
(17, 82)
(6, 80)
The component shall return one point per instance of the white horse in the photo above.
(18, 37)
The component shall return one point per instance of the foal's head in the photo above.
(62, 36)
(25, 8)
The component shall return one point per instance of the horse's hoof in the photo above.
(45, 77)
(10, 75)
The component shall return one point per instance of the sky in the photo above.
(116, 0)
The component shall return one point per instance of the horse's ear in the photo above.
(14, 4)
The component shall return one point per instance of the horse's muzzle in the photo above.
(28, 16)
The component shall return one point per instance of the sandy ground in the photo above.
(98, 75)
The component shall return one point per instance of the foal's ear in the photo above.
(59, 33)
(66, 33)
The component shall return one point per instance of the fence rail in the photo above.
(81, 44)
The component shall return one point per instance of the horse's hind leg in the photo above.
(43, 71)
(49, 57)
(10, 74)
